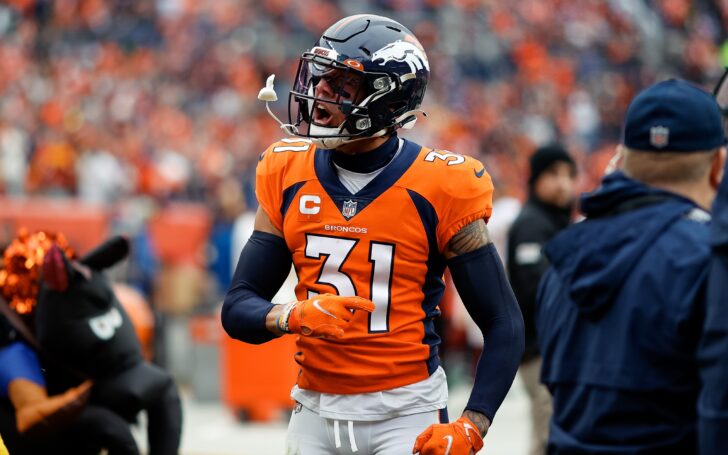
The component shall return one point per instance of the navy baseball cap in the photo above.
(676, 116)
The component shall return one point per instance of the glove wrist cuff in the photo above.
(282, 322)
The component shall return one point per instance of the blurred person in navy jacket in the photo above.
(713, 403)
(620, 314)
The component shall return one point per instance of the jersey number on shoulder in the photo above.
(296, 145)
(451, 158)
(336, 251)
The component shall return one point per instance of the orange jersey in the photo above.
(383, 243)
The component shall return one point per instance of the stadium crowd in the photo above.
(109, 99)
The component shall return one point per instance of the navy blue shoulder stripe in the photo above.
(288, 195)
(427, 215)
(433, 286)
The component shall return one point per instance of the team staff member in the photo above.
(370, 222)
(621, 312)
(547, 211)
(713, 403)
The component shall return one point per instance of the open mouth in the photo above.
(321, 115)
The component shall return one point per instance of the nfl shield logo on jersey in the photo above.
(349, 209)
(659, 136)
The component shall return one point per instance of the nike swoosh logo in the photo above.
(321, 309)
(449, 444)
(479, 173)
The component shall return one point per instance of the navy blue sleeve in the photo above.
(262, 268)
(484, 289)
(18, 361)
(713, 358)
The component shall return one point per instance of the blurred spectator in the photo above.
(551, 186)
(102, 177)
(14, 144)
(230, 206)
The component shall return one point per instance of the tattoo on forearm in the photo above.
(480, 420)
(469, 238)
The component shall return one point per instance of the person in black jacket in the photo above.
(547, 211)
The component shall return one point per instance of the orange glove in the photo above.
(322, 316)
(460, 437)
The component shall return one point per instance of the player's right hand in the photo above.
(322, 316)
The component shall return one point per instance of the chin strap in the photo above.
(334, 142)
(407, 120)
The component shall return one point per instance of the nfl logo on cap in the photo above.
(659, 136)
(675, 116)
(349, 209)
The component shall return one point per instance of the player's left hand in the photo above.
(460, 437)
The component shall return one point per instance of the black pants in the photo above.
(146, 387)
(95, 428)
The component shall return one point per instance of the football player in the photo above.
(370, 221)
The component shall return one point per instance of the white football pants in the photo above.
(311, 434)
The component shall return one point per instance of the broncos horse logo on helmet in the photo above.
(403, 51)
(391, 70)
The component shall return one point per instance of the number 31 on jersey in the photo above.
(335, 251)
